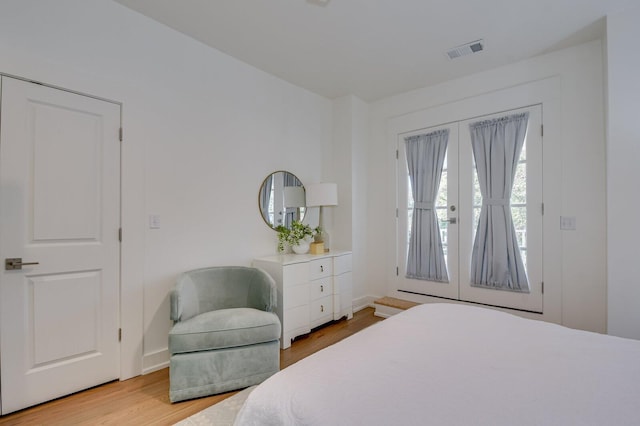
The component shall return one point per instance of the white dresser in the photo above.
(312, 290)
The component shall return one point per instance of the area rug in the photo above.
(221, 414)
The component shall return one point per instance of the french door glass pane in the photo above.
(519, 192)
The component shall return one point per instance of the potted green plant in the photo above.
(298, 237)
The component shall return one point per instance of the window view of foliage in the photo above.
(441, 210)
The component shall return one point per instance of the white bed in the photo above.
(446, 364)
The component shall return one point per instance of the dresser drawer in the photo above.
(320, 268)
(321, 288)
(296, 319)
(321, 308)
(343, 296)
(296, 295)
(342, 264)
(294, 274)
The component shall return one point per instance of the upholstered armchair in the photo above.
(225, 334)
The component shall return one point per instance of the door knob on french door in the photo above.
(452, 220)
(13, 263)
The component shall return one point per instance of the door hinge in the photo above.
(397, 154)
(542, 130)
(542, 287)
(397, 271)
(396, 212)
(120, 234)
(542, 209)
(120, 134)
(119, 335)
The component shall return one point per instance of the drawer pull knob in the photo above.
(321, 308)
(321, 268)
(321, 288)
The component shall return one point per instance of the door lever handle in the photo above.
(13, 263)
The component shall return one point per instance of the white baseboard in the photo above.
(155, 361)
(364, 302)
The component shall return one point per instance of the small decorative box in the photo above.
(317, 248)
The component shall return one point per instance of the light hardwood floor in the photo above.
(144, 400)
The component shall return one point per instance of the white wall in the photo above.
(349, 165)
(202, 130)
(623, 173)
(577, 275)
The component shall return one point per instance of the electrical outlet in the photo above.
(568, 223)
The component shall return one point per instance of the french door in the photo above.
(457, 207)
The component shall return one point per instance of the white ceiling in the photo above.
(376, 48)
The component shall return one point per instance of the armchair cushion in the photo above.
(224, 328)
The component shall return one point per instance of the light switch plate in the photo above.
(154, 221)
(568, 223)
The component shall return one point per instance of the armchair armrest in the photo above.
(262, 292)
(184, 299)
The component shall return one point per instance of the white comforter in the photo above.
(446, 364)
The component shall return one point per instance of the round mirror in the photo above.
(281, 199)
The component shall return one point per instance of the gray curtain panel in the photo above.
(425, 158)
(495, 261)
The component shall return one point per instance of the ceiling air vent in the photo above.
(466, 49)
(322, 3)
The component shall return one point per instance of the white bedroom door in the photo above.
(59, 244)
(457, 207)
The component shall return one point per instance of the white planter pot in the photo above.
(301, 248)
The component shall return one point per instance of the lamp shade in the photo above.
(293, 196)
(322, 194)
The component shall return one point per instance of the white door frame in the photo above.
(131, 248)
(545, 92)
